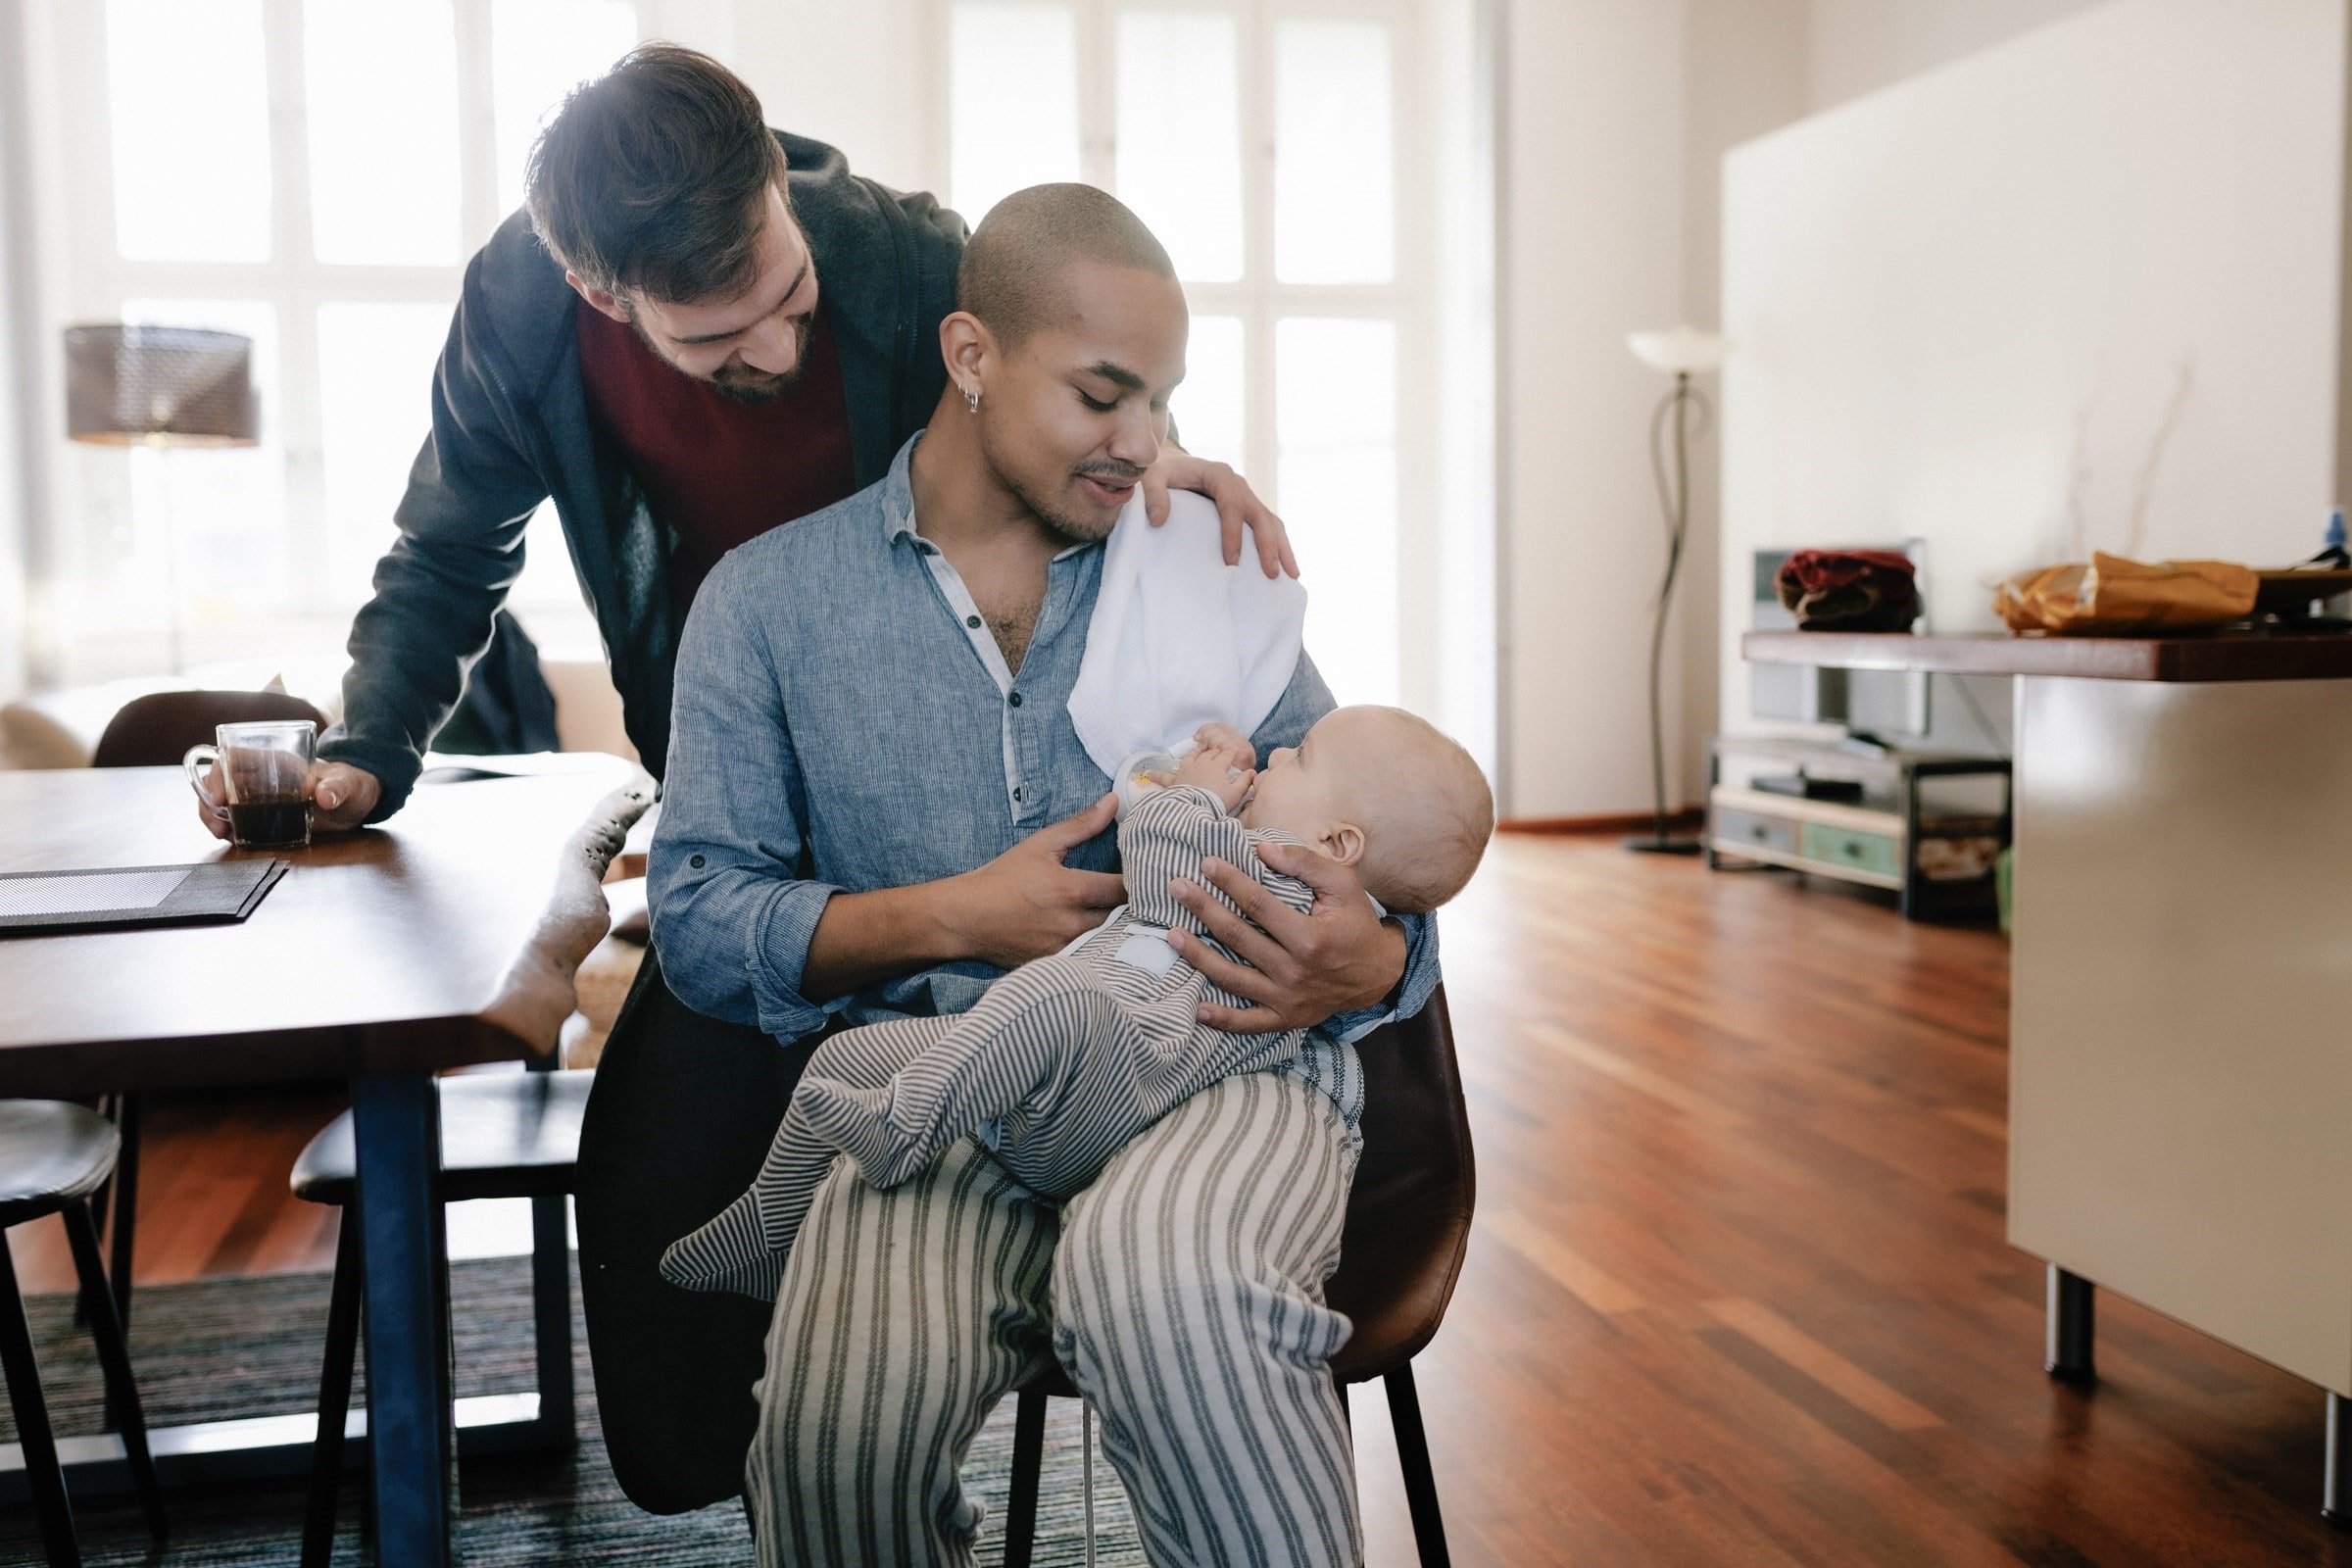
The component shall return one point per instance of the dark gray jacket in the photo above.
(511, 428)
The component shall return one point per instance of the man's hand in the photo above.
(1025, 904)
(1296, 969)
(1237, 504)
(341, 797)
(1225, 771)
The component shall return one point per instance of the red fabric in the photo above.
(716, 470)
(1816, 569)
(1850, 590)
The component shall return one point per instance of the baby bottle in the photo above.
(1133, 781)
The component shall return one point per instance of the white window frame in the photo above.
(90, 282)
(1259, 299)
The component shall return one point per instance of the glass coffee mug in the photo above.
(265, 770)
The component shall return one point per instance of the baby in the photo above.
(1068, 1058)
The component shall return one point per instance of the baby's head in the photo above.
(1378, 789)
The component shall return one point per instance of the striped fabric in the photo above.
(1062, 1062)
(1182, 1291)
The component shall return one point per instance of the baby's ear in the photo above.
(1344, 842)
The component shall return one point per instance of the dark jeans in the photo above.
(681, 1116)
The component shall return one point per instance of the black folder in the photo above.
(49, 904)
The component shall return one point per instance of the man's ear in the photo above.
(969, 346)
(1344, 842)
(605, 301)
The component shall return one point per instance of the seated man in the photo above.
(870, 729)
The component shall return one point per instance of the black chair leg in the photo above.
(32, 1411)
(335, 1397)
(126, 1205)
(1412, 1455)
(114, 1357)
(1028, 1462)
(551, 1315)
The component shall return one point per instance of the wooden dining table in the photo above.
(371, 960)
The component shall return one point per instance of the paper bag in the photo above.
(2113, 597)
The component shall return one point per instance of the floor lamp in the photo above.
(1683, 353)
(164, 387)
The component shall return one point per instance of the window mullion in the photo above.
(1098, 125)
(477, 127)
(1254, 32)
(297, 305)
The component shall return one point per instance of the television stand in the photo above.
(1927, 826)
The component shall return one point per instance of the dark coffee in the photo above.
(270, 821)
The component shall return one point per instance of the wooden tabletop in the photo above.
(375, 953)
(2165, 659)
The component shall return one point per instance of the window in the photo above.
(312, 173)
(1261, 140)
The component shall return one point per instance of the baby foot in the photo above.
(856, 1121)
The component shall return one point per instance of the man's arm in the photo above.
(470, 493)
(744, 934)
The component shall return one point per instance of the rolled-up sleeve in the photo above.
(1413, 991)
(733, 914)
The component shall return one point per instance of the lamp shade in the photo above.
(1683, 351)
(160, 386)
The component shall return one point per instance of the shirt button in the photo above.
(696, 862)
(972, 622)
(1014, 699)
(1019, 793)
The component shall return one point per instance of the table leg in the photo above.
(2069, 1333)
(404, 1261)
(2335, 1488)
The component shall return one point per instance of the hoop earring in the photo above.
(971, 398)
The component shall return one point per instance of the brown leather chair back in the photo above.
(157, 731)
(1408, 1215)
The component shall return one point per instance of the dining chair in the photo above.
(156, 732)
(1400, 1252)
(53, 1154)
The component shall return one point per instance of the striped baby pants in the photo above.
(1182, 1292)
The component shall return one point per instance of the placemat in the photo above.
(121, 897)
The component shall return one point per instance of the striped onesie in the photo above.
(1060, 1065)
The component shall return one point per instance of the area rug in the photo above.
(251, 1347)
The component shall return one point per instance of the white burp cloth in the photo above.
(1179, 639)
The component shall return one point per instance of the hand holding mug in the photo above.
(260, 787)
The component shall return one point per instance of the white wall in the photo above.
(1968, 305)
(865, 76)
(23, 363)
(1592, 249)
(1858, 46)
(1463, 58)
(16, 511)
(1746, 68)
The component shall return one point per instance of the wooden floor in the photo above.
(1738, 1293)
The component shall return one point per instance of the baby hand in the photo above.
(1227, 738)
(1222, 770)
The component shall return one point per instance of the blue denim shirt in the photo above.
(844, 723)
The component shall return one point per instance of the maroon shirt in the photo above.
(716, 470)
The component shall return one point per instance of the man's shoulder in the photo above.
(515, 296)
(806, 558)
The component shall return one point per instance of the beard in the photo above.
(740, 382)
(1069, 524)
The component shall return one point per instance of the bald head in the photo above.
(1017, 266)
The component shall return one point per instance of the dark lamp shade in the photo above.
(160, 386)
